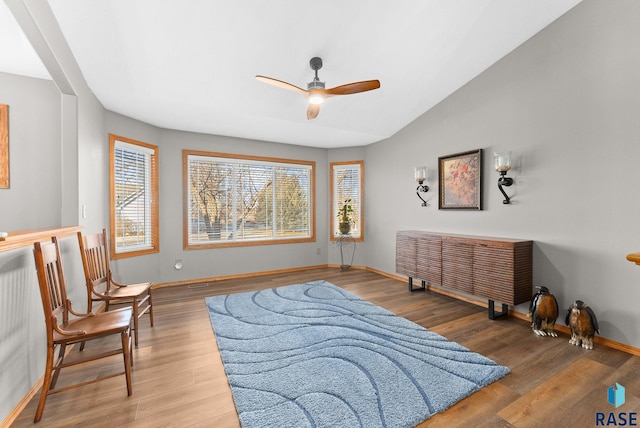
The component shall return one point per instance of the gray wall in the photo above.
(33, 198)
(208, 263)
(566, 103)
(32, 201)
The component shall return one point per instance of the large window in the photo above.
(134, 197)
(241, 200)
(347, 181)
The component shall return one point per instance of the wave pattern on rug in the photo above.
(315, 355)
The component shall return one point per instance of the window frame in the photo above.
(153, 206)
(335, 204)
(186, 153)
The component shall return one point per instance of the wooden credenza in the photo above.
(498, 269)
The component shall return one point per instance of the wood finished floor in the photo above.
(179, 380)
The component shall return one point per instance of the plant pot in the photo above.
(345, 228)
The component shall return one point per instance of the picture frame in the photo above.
(460, 181)
(4, 146)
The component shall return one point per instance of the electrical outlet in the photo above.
(178, 264)
(318, 250)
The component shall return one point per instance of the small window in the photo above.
(233, 200)
(134, 197)
(347, 181)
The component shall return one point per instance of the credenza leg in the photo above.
(492, 311)
(423, 287)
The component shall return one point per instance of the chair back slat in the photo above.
(51, 281)
(95, 262)
(95, 259)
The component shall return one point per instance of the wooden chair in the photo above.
(65, 326)
(100, 284)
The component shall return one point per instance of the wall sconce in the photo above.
(421, 175)
(502, 164)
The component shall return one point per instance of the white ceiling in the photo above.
(16, 54)
(191, 65)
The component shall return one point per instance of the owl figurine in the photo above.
(543, 311)
(583, 324)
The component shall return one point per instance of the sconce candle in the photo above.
(420, 173)
(502, 161)
(502, 164)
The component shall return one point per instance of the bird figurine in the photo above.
(583, 324)
(543, 311)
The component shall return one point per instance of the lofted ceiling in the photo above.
(16, 54)
(191, 65)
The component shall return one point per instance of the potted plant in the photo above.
(344, 215)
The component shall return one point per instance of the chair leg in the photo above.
(131, 342)
(89, 309)
(135, 321)
(126, 354)
(150, 303)
(56, 371)
(46, 384)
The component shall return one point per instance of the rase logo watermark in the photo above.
(615, 397)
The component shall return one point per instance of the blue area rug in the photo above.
(315, 355)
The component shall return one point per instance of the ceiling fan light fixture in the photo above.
(315, 98)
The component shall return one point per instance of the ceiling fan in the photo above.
(316, 93)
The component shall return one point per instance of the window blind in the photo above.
(235, 200)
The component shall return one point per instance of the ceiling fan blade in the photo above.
(353, 88)
(280, 84)
(312, 111)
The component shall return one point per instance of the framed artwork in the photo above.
(460, 180)
(4, 146)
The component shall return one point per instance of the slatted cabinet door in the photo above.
(501, 271)
(522, 272)
(457, 264)
(493, 272)
(429, 258)
(406, 256)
